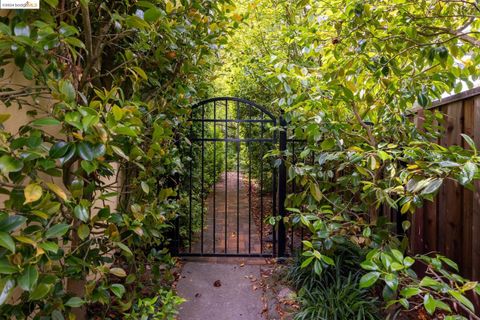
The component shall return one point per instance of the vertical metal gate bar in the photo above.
(203, 178)
(292, 234)
(214, 172)
(249, 181)
(261, 187)
(190, 194)
(282, 192)
(274, 209)
(238, 178)
(226, 175)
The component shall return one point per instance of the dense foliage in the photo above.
(347, 73)
(110, 82)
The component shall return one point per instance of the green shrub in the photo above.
(335, 293)
(161, 307)
(337, 298)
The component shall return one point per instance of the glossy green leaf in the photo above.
(45, 122)
(11, 223)
(81, 212)
(83, 231)
(67, 90)
(410, 292)
(369, 279)
(9, 164)
(29, 278)
(74, 302)
(118, 290)
(6, 241)
(462, 299)
(85, 151)
(57, 230)
(49, 246)
(40, 291)
(58, 150)
(429, 303)
(6, 267)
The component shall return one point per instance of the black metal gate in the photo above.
(233, 188)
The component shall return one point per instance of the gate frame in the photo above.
(278, 200)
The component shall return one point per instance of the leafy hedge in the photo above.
(347, 73)
(113, 80)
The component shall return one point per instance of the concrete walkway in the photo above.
(220, 291)
(225, 288)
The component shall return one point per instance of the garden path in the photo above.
(220, 291)
(221, 288)
(234, 231)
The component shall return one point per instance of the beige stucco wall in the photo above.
(19, 117)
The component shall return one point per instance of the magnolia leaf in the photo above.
(315, 191)
(462, 299)
(85, 151)
(410, 292)
(432, 186)
(58, 150)
(124, 248)
(57, 190)
(74, 302)
(40, 291)
(57, 230)
(6, 288)
(328, 144)
(81, 213)
(26, 240)
(6, 267)
(117, 289)
(119, 272)
(29, 278)
(306, 262)
(145, 187)
(45, 122)
(32, 192)
(470, 142)
(88, 166)
(83, 231)
(429, 303)
(119, 152)
(367, 280)
(49, 246)
(6, 241)
(67, 90)
(9, 164)
(11, 223)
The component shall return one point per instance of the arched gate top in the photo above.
(241, 100)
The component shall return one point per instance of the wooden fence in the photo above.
(451, 224)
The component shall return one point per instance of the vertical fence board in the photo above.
(417, 229)
(430, 215)
(442, 195)
(467, 241)
(450, 224)
(476, 200)
(453, 209)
